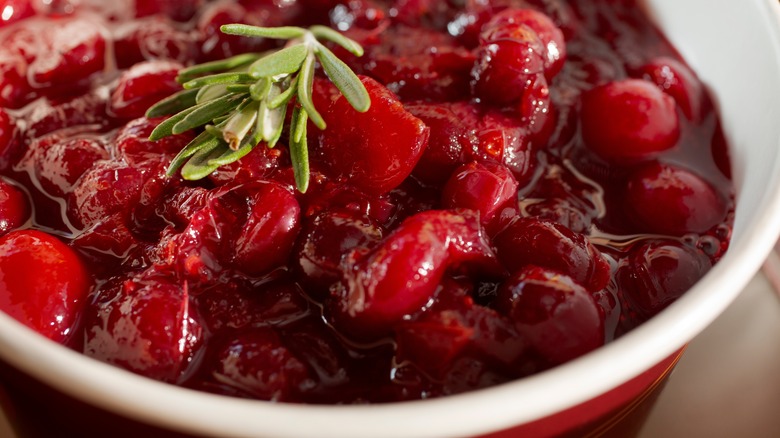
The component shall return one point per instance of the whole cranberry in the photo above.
(143, 85)
(144, 324)
(180, 10)
(485, 187)
(531, 241)
(375, 150)
(132, 144)
(8, 143)
(153, 38)
(658, 272)
(43, 283)
(14, 207)
(14, 10)
(560, 318)
(628, 120)
(510, 24)
(506, 67)
(667, 199)
(14, 88)
(327, 239)
(677, 80)
(267, 237)
(400, 275)
(104, 189)
(258, 364)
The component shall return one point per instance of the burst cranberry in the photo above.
(109, 237)
(150, 39)
(8, 143)
(43, 284)
(57, 163)
(327, 239)
(145, 324)
(44, 116)
(401, 274)
(530, 241)
(75, 49)
(677, 80)
(14, 88)
(134, 147)
(377, 149)
(257, 363)
(106, 188)
(486, 188)
(14, 207)
(258, 164)
(629, 120)
(512, 23)
(267, 237)
(143, 85)
(667, 199)
(559, 317)
(216, 45)
(658, 272)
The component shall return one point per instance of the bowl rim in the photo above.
(191, 411)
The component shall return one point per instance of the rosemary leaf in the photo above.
(239, 124)
(198, 166)
(219, 78)
(305, 85)
(204, 140)
(285, 95)
(326, 33)
(231, 63)
(206, 112)
(259, 90)
(210, 92)
(230, 155)
(283, 62)
(345, 80)
(173, 104)
(299, 152)
(165, 128)
(282, 33)
(270, 123)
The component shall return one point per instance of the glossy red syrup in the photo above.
(534, 179)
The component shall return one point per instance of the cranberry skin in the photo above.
(327, 239)
(484, 187)
(510, 21)
(530, 241)
(145, 324)
(506, 68)
(43, 283)
(666, 199)
(268, 235)
(402, 273)
(658, 272)
(560, 318)
(629, 120)
(76, 49)
(676, 79)
(106, 188)
(15, 10)
(8, 144)
(258, 364)
(14, 207)
(143, 85)
(180, 10)
(375, 150)
(57, 163)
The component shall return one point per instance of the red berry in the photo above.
(8, 143)
(628, 120)
(180, 10)
(506, 68)
(512, 23)
(257, 364)
(143, 85)
(666, 199)
(106, 188)
(677, 80)
(485, 187)
(560, 318)
(375, 150)
(400, 275)
(134, 147)
(153, 38)
(14, 207)
(14, 10)
(530, 241)
(145, 324)
(658, 272)
(43, 284)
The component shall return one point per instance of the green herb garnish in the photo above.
(242, 101)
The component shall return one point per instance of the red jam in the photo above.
(534, 178)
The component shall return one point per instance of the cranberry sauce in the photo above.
(534, 178)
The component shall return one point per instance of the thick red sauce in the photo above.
(534, 179)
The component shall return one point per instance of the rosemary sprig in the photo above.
(242, 101)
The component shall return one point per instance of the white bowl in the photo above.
(734, 45)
